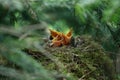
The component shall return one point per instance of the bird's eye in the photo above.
(50, 37)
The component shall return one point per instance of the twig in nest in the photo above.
(85, 75)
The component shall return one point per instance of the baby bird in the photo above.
(60, 39)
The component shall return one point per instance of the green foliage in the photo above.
(108, 14)
(94, 18)
(24, 24)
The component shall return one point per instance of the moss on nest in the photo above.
(85, 61)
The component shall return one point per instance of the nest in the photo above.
(83, 58)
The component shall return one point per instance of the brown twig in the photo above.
(10, 31)
(85, 75)
(22, 32)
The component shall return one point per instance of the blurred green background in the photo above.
(25, 23)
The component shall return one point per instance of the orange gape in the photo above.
(60, 38)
